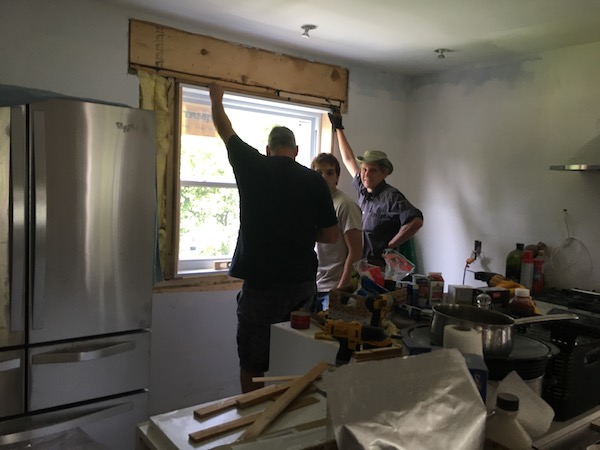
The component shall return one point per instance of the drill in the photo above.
(352, 335)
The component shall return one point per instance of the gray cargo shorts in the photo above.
(258, 308)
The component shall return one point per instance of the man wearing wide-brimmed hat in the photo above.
(389, 219)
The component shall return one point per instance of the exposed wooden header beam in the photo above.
(203, 59)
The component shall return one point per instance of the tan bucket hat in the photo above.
(375, 156)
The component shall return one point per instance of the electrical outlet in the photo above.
(477, 247)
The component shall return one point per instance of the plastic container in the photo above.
(502, 429)
(436, 288)
(538, 273)
(527, 269)
(422, 285)
(513, 263)
(483, 301)
(521, 304)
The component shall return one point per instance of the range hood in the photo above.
(587, 158)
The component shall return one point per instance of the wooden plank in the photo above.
(231, 402)
(260, 395)
(275, 378)
(271, 413)
(206, 283)
(244, 404)
(243, 421)
(214, 408)
(160, 47)
(378, 353)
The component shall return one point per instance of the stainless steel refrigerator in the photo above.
(77, 245)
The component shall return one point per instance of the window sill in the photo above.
(209, 280)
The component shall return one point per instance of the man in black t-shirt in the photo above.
(284, 209)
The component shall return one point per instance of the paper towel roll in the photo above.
(465, 339)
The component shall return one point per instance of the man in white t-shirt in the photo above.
(336, 260)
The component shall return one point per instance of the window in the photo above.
(209, 201)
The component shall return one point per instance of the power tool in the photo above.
(497, 280)
(351, 335)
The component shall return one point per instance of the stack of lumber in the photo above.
(291, 393)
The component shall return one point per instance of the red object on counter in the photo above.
(376, 275)
(527, 269)
(538, 273)
(300, 320)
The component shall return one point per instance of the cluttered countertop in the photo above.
(387, 336)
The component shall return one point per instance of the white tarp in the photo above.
(427, 401)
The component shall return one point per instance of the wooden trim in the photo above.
(173, 186)
(171, 201)
(199, 283)
(263, 92)
(204, 59)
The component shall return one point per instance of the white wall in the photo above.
(471, 150)
(194, 353)
(480, 143)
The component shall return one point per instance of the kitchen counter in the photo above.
(294, 352)
(170, 431)
(574, 434)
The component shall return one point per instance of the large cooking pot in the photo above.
(496, 328)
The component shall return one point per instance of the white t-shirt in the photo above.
(332, 256)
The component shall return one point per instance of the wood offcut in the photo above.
(273, 411)
(235, 424)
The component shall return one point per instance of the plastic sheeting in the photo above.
(427, 401)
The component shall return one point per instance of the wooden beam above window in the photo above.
(203, 59)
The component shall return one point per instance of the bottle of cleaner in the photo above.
(513, 263)
(527, 269)
(502, 430)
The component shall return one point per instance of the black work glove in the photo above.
(335, 117)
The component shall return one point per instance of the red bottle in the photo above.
(538, 273)
(527, 269)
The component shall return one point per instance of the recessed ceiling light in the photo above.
(306, 29)
(442, 52)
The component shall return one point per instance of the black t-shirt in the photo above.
(282, 204)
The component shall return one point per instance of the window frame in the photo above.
(323, 138)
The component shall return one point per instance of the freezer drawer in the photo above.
(111, 423)
(12, 382)
(81, 370)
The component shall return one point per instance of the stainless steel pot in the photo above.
(496, 328)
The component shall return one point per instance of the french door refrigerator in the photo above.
(77, 245)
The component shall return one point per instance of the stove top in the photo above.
(572, 298)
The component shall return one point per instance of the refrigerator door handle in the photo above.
(39, 270)
(60, 427)
(85, 355)
(15, 118)
(10, 364)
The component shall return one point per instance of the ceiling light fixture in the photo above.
(306, 29)
(441, 52)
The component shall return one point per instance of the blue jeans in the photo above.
(322, 303)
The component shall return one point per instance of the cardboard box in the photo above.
(460, 294)
(500, 297)
(479, 371)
